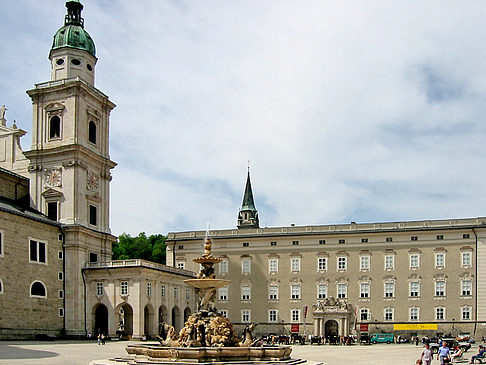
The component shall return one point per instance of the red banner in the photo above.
(363, 327)
(294, 328)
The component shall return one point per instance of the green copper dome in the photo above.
(72, 34)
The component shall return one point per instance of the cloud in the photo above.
(346, 111)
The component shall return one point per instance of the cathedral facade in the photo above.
(54, 233)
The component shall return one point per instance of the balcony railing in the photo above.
(47, 84)
(137, 263)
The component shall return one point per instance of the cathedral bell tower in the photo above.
(69, 159)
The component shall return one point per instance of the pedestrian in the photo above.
(479, 356)
(99, 339)
(426, 356)
(417, 340)
(103, 338)
(443, 354)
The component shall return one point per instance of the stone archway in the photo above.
(100, 313)
(163, 317)
(124, 313)
(148, 319)
(187, 313)
(332, 313)
(331, 331)
(176, 318)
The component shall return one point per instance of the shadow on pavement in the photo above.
(13, 352)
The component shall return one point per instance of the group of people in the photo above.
(446, 356)
(101, 339)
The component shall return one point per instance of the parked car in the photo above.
(451, 343)
(364, 339)
(382, 338)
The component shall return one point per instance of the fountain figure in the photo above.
(207, 336)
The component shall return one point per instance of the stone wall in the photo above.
(21, 315)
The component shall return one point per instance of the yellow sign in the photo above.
(414, 326)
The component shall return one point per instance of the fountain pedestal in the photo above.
(207, 337)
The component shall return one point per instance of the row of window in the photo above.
(37, 289)
(55, 129)
(37, 250)
(53, 209)
(363, 240)
(414, 314)
(322, 263)
(364, 314)
(342, 290)
(100, 290)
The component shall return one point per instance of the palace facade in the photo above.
(417, 277)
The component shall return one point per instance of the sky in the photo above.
(347, 110)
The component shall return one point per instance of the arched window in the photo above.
(55, 127)
(92, 132)
(37, 289)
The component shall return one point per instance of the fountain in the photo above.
(207, 337)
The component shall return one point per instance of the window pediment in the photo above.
(414, 277)
(322, 280)
(440, 277)
(51, 193)
(466, 276)
(295, 281)
(54, 108)
(342, 280)
(94, 197)
(365, 279)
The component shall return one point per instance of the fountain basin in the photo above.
(207, 283)
(211, 354)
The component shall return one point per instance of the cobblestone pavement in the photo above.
(83, 352)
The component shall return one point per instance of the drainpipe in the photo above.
(84, 285)
(16, 186)
(476, 281)
(173, 255)
(63, 281)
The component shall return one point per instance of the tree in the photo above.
(151, 248)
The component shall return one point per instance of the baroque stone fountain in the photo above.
(207, 337)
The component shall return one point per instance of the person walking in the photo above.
(99, 339)
(426, 356)
(443, 354)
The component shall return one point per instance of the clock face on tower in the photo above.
(91, 181)
(53, 177)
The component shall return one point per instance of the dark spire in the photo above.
(248, 202)
(73, 16)
(248, 215)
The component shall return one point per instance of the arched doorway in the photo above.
(125, 321)
(187, 313)
(331, 331)
(100, 320)
(148, 319)
(176, 317)
(162, 318)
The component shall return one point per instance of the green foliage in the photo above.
(151, 248)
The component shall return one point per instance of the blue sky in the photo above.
(347, 112)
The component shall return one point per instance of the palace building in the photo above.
(418, 277)
(56, 277)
